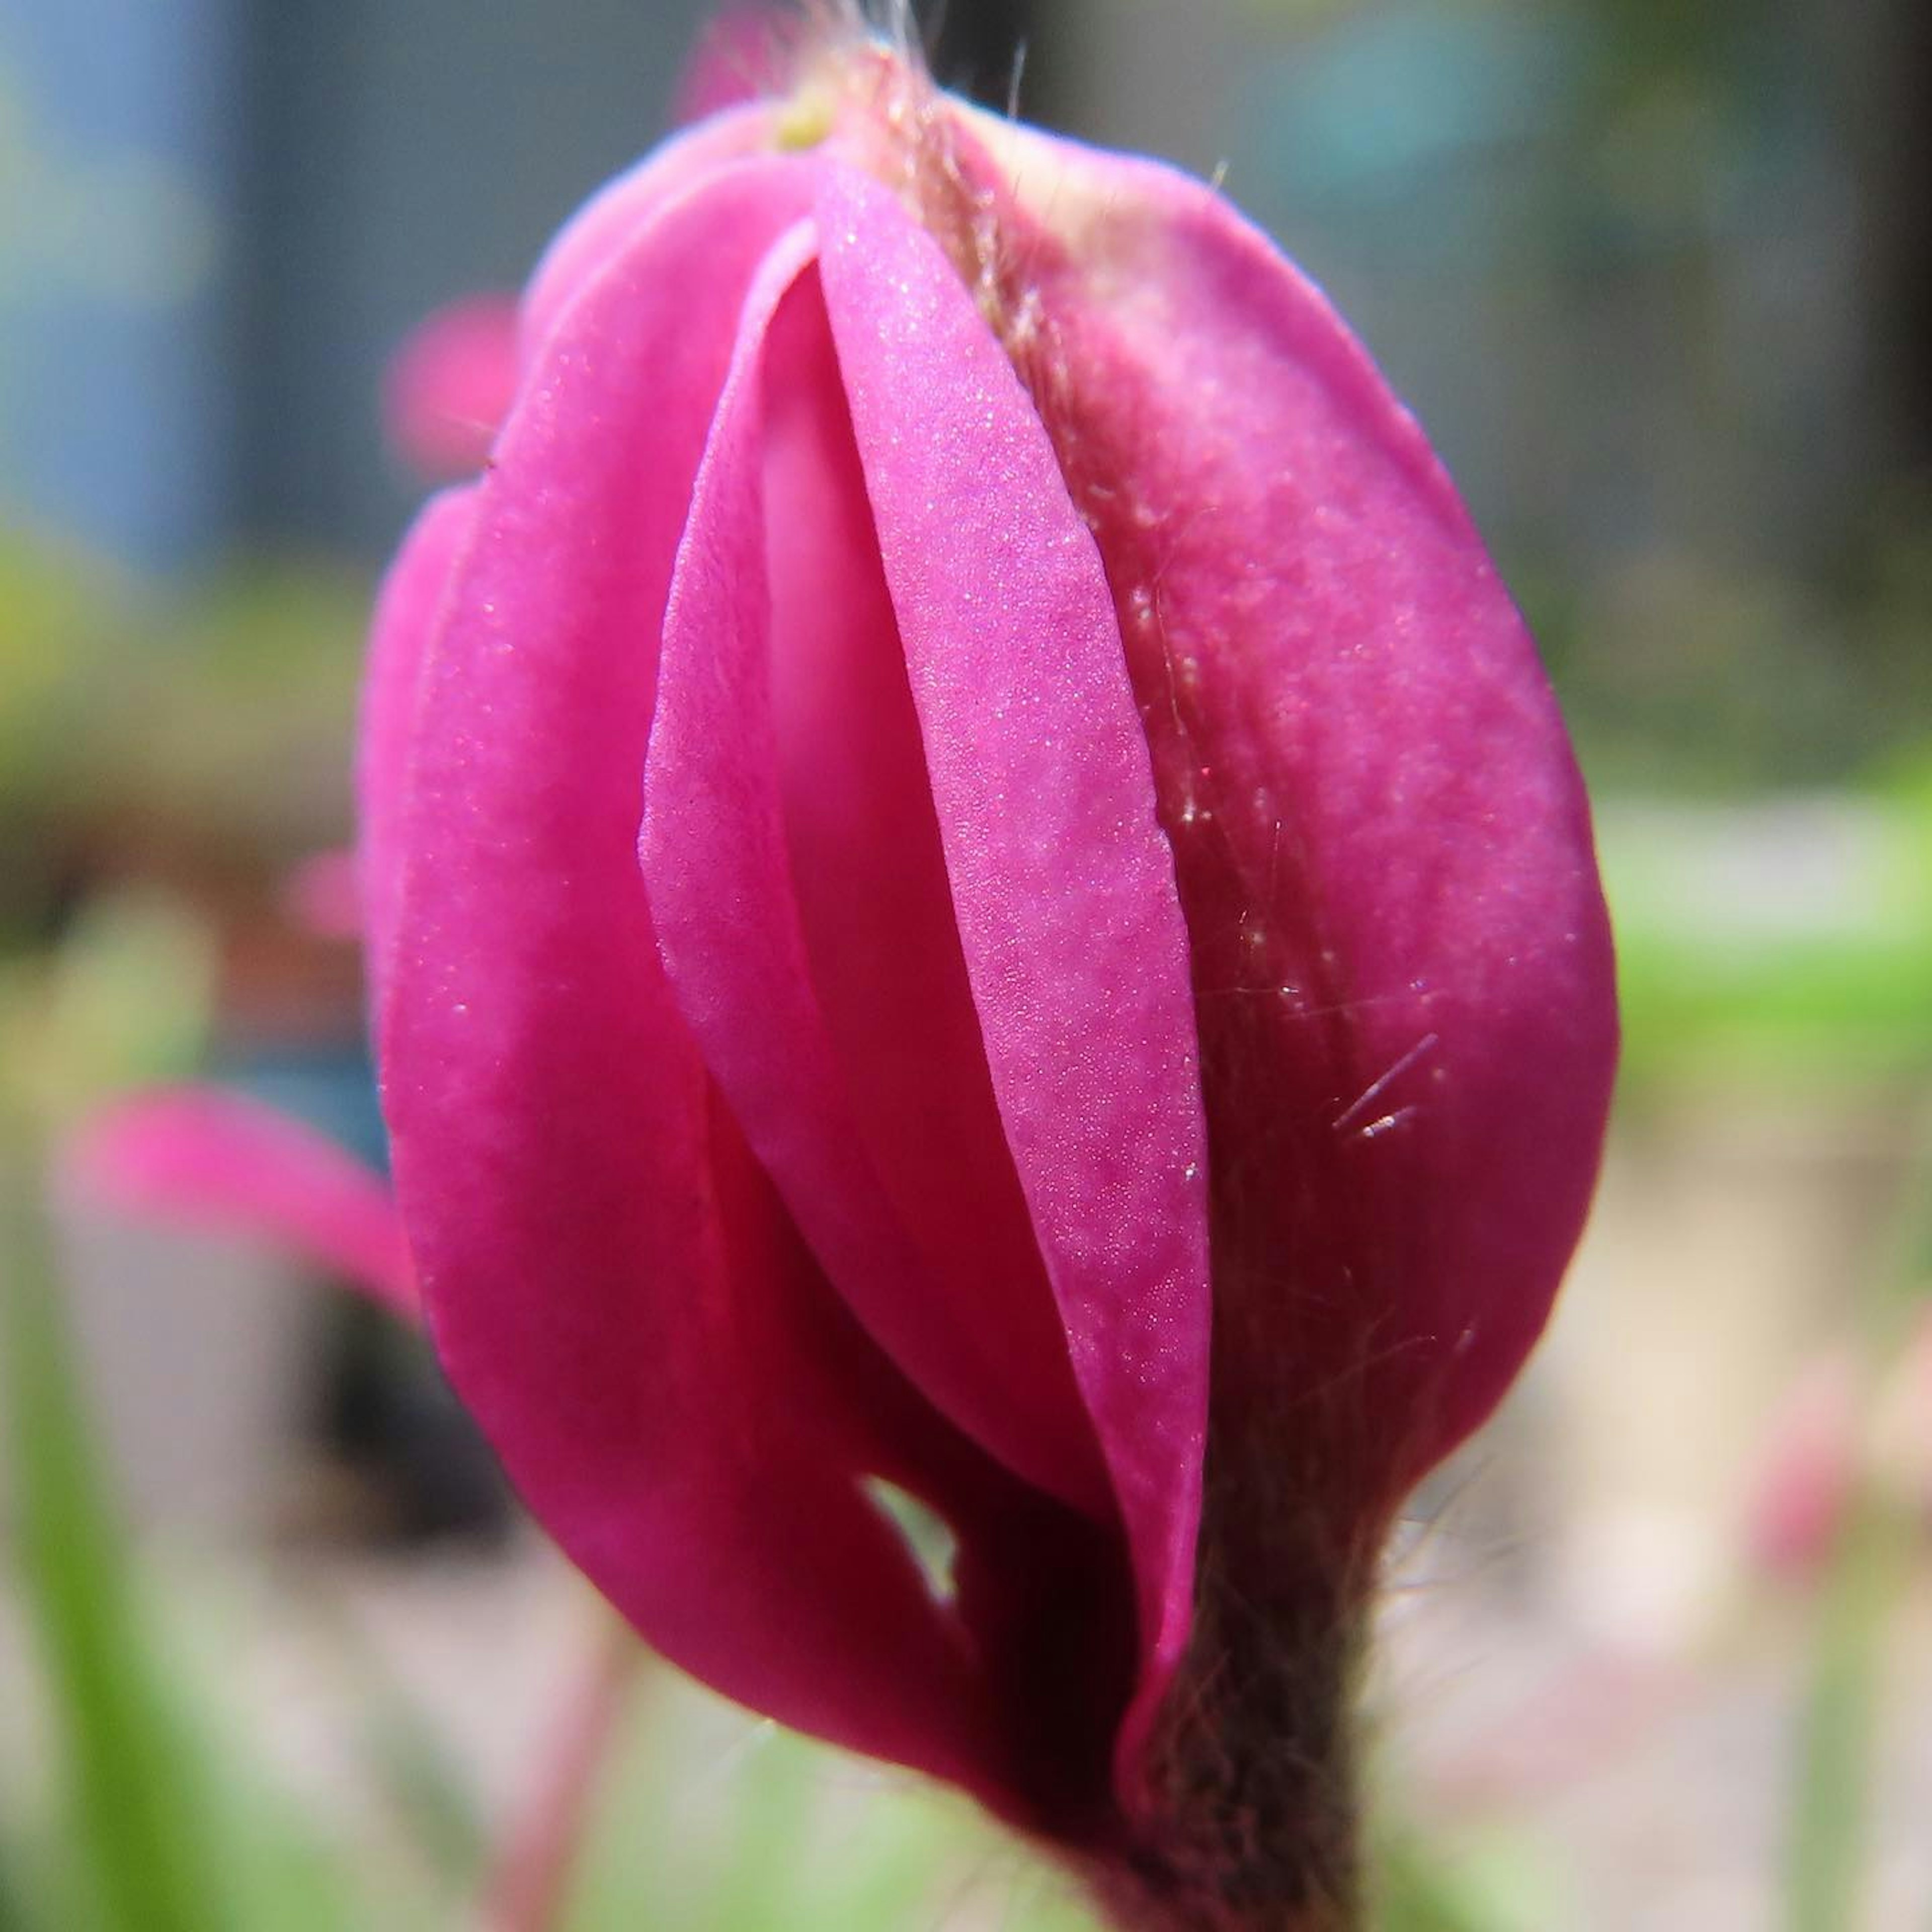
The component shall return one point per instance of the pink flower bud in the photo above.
(974, 885)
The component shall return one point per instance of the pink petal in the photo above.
(612, 1285)
(1063, 885)
(449, 384)
(1402, 963)
(856, 1068)
(202, 1158)
(405, 614)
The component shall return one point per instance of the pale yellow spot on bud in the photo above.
(807, 118)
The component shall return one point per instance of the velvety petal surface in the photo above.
(406, 609)
(201, 1158)
(615, 1291)
(1063, 885)
(1402, 959)
(881, 1132)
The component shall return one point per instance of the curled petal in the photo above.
(1063, 886)
(202, 1158)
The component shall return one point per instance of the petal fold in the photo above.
(1063, 885)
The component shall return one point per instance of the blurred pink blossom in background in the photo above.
(206, 1159)
(448, 385)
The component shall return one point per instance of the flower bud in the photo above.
(975, 891)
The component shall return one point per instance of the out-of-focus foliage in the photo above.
(1789, 939)
(1639, 264)
(142, 729)
(1865, 1583)
(1702, 679)
(125, 1001)
(150, 1813)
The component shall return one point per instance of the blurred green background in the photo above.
(1657, 274)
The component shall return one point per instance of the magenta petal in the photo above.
(975, 1330)
(975, 1320)
(206, 1159)
(1401, 955)
(406, 614)
(669, 1384)
(1063, 885)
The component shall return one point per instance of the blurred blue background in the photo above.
(1654, 277)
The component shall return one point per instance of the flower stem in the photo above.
(1254, 1821)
